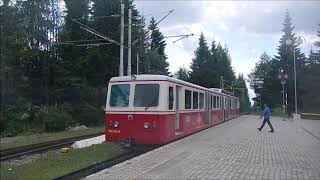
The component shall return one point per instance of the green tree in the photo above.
(70, 70)
(209, 64)
(241, 91)
(156, 56)
(224, 62)
(317, 43)
(35, 60)
(311, 74)
(284, 60)
(28, 29)
(157, 38)
(182, 74)
(314, 57)
(260, 81)
(13, 41)
(199, 62)
(213, 67)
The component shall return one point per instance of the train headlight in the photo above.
(116, 124)
(154, 124)
(146, 125)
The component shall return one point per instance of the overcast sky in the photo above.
(248, 28)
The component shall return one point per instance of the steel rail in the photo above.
(41, 147)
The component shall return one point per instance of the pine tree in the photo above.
(156, 54)
(13, 43)
(71, 70)
(157, 39)
(310, 75)
(241, 91)
(213, 67)
(199, 62)
(182, 74)
(35, 15)
(317, 43)
(225, 64)
(209, 65)
(314, 57)
(260, 81)
(284, 60)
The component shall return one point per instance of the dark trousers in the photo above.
(267, 120)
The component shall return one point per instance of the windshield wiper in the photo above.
(148, 105)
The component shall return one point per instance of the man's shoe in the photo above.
(259, 129)
(271, 131)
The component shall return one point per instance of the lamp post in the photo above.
(289, 42)
(283, 77)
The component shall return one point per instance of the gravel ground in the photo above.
(22, 160)
(9, 139)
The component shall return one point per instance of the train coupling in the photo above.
(127, 143)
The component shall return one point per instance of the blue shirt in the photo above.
(266, 113)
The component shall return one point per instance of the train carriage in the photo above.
(157, 109)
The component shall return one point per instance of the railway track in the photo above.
(41, 147)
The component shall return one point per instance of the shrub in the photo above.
(55, 119)
(88, 116)
(11, 125)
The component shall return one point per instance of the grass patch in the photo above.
(54, 164)
(45, 137)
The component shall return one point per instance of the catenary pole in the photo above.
(295, 83)
(121, 40)
(137, 63)
(129, 42)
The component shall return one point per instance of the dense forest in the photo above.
(268, 88)
(54, 72)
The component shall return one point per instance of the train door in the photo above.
(207, 115)
(229, 108)
(177, 123)
(222, 107)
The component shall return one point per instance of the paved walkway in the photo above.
(232, 150)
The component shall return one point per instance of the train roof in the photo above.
(155, 77)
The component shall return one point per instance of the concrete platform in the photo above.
(232, 150)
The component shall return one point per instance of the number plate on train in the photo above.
(113, 131)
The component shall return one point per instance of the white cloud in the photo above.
(253, 50)
(259, 22)
(261, 17)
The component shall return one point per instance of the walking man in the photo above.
(266, 115)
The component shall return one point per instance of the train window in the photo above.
(120, 95)
(232, 103)
(146, 95)
(187, 100)
(214, 101)
(171, 98)
(201, 101)
(195, 100)
(225, 103)
(211, 106)
(218, 102)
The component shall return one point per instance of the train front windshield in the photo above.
(120, 94)
(146, 95)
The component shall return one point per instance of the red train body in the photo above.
(156, 109)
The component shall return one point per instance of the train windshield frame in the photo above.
(120, 95)
(146, 95)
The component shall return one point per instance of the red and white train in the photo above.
(157, 109)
